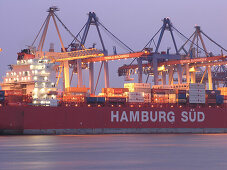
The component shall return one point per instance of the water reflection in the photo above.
(114, 152)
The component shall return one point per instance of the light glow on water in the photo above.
(142, 151)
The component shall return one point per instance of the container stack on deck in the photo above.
(214, 97)
(223, 91)
(138, 92)
(197, 93)
(114, 95)
(2, 97)
(181, 96)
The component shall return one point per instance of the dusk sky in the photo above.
(134, 22)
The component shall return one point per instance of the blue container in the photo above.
(2, 98)
(219, 99)
(213, 92)
(181, 96)
(101, 100)
(91, 99)
(2, 93)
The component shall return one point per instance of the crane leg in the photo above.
(171, 71)
(106, 74)
(179, 72)
(209, 78)
(193, 77)
(187, 73)
(66, 74)
(91, 77)
(155, 70)
(140, 70)
(79, 73)
(163, 78)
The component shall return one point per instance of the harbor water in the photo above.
(185, 151)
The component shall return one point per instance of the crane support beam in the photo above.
(114, 57)
(209, 78)
(106, 74)
(193, 60)
(193, 79)
(163, 78)
(187, 73)
(91, 77)
(73, 55)
(171, 71)
(155, 70)
(79, 73)
(201, 62)
(179, 72)
(140, 70)
(217, 63)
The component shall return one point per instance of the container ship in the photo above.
(32, 102)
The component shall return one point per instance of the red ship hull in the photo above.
(101, 120)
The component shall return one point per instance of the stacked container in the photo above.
(181, 96)
(224, 93)
(114, 92)
(138, 92)
(214, 97)
(197, 93)
(2, 96)
(95, 100)
(135, 97)
(172, 96)
(160, 95)
(116, 100)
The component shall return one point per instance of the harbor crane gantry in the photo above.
(94, 21)
(215, 70)
(148, 61)
(155, 57)
(64, 56)
(186, 64)
(80, 55)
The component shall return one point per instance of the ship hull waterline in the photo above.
(31, 120)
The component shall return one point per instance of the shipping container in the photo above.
(213, 92)
(94, 100)
(2, 98)
(219, 99)
(119, 100)
(13, 92)
(100, 99)
(196, 86)
(181, 101)
(91, 100)
(223, 90)
(211, 101)
(114, 90)
(181, 95)
(145, 90)
(137, 85)
(2, 93)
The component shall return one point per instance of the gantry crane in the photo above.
(64, 56)
(185, 64)
(80, 55)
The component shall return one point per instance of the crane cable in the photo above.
(116, 37)
(188, 39)
(213, 41)
(79, 36)
(149, 42)
(75, 38)
(40, 30)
